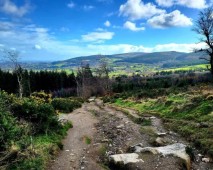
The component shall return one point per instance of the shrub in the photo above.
(65, 105)
(41, 97)
(42, 115)
(9, 130)
(30, 131)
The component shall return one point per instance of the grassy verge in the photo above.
(40, 151)
(190, 114)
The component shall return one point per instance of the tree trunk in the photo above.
(211, 64)
(20, 86)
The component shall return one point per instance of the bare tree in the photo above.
(13, 57)
(85, 81)
(204, 27)
(102, 72)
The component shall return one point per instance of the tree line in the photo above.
(32, 81)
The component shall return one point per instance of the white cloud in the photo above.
(165, 3)
(131, 26)
(178, 47)
(107, 24)
(88, 7)
(198, 4)
(71, 4)
(173, 19)
(136, 9)
(8, 7)
(37, 47)
(97, 36)
(99, 29)
(127, 48)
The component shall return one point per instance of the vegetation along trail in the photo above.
(110, 137)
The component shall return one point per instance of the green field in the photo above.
(199, 67)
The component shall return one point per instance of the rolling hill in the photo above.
(160, 59)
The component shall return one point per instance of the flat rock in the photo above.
(92, 99)
(177, 149)
(123, 159)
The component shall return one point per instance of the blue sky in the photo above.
(46, 30)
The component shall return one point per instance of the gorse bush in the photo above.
(42, 115)
(65, 105)
(29, 131)
(42, 96)
(10, 129)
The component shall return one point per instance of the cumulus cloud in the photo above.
(198, 4)
(165, 3)
(132, 26)
(173, 19)
(8, 7)
(97, 36)
(137, 9)
(71, 4)
(107, 24)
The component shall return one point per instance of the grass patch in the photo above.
(102, 151)
(189, 114)
(146, 122)
(87, 140)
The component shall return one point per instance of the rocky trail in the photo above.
(108, 137)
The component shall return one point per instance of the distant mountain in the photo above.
(159, 59)
(162, 59)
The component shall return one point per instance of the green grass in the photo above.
(188, 68)
(87, 140)
(183, 113)
(41, 149)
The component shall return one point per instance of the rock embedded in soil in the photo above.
(177, 150)
(161, 134)
(160, 142)
(206, 160)
(124, 159)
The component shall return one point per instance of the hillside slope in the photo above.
(160, 59)
(163, 59)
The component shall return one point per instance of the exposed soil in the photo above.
(75, 150)
(110, 132)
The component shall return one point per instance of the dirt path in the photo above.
(75, 148)
(112, 132)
